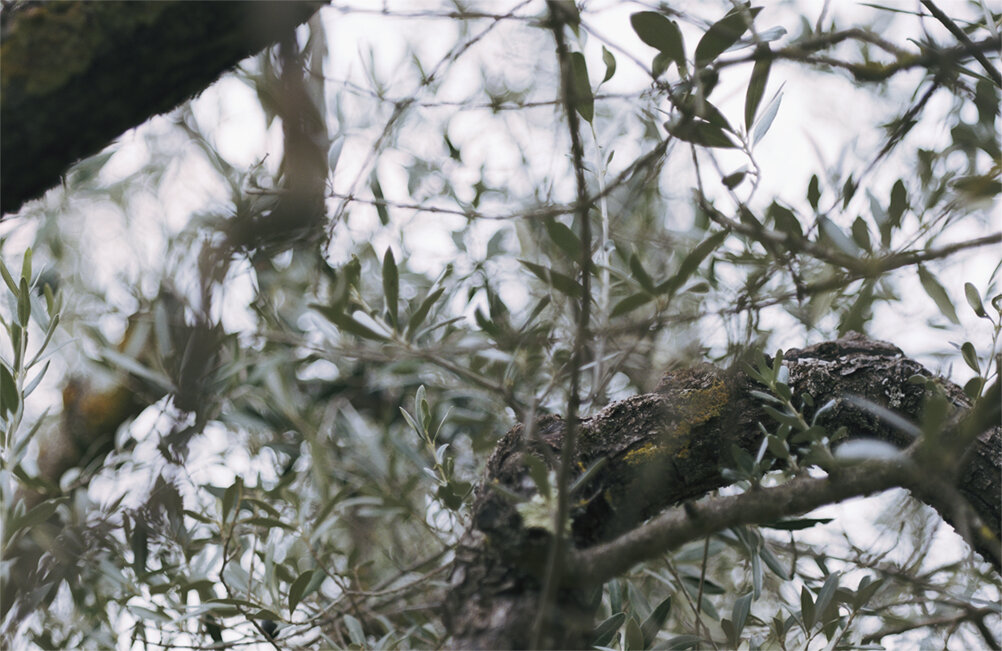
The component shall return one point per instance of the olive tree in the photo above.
(502, 326)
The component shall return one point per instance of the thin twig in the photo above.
(974, 615)
(555, 556)
(702, 583)
(649, 159)
(964, 39)
(401, 107)
(865, 72)
(876, 268)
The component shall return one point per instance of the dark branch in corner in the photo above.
(138, 59)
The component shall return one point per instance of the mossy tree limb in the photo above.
(76, 75)
(668, 447)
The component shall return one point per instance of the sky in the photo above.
(817, 116)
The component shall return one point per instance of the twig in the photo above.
(974, 615)
(866, 72)
(442, 15)
(647, 160)
(964, 39)
(875, 268)
(702, 584)
(555, 557)
(401, 107)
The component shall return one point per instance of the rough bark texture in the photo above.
(77, 74)
(668, 447)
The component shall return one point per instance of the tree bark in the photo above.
(669, 447)
(77, 74)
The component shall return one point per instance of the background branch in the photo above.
(57, 100)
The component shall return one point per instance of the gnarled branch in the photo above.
(668, 447)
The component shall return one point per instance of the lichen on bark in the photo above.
(664, 448)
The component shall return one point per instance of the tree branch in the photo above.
(682, 524)
(971, 48)
(667, 447)
(78, 74)
(878, 267)
(971, 614)
(857, 267)
(803, 52)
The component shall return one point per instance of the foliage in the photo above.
(316, 408)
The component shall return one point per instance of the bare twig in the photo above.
(649, 159)
(465, 14)
(559, 13)
(974, 615)
(401, 107)
(965, 40)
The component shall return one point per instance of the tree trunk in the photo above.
(669, 447)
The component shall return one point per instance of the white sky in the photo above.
(818, 115)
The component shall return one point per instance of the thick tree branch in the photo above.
(78, 74)
(667, 447)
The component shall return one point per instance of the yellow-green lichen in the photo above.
(646, 452)
(687, 409)
(697, 406)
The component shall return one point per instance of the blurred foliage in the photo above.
(317, 398)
